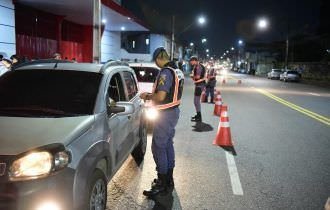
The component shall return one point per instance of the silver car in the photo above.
(274, 74)
(65, 129)
(290, 75)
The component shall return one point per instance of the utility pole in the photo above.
(173, 38)
(96, 31)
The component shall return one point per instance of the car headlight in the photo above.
(31, 165)
(151, 113)
(38, 164)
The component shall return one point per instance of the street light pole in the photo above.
(173, 37)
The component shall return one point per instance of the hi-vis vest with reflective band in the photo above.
(202, 76)
(173, 98)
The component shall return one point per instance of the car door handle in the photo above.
(129, 117)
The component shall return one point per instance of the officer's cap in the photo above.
(157, 52)
(193, 58)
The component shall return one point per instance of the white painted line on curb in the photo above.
(314, 94)
(234, 177)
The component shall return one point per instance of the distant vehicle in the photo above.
(290, 75)
(242, 71)
(274, 74)
(65, 130)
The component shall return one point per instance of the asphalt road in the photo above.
(281, 133)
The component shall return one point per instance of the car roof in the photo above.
(143, 64)
(54, 65)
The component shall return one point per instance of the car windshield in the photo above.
(277, 70)
(48, 93)
(146, 74)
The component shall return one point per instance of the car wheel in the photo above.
(140, 149)
(98, 191)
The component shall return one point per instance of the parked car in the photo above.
(65, 129)
(290, 75)
(242, 71)
(146, 74)
(274, 74)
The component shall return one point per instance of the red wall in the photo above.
(40, 35)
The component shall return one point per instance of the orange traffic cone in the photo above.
(217, 105)
(223, 138)
(215, 95)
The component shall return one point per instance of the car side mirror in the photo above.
(121, 108)
(114, 109)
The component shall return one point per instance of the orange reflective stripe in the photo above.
(175, 101)
(166, 106)
(200, 80)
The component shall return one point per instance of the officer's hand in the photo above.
(143, 96)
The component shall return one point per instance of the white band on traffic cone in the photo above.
(224, 114)
(224, 124)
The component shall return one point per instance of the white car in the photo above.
(146, 74)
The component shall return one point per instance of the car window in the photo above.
(292, 72)
(277, 70)
(130, 83)
(116, 89)
(48, 93)
(146, 74)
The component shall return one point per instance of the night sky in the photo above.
(228, 20)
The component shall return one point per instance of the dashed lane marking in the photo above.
(234, 177)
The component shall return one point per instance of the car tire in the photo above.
(97, 194)
(140, 150)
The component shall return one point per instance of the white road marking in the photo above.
(234, 177)
(314, 94)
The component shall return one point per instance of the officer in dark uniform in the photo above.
(198, 76)
(210, 84)
(166, 98)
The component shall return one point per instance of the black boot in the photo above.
(170, 180)
(212, 101)
(197, 117)
(160, 188)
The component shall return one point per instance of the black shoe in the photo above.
(170, 180)
(160, 188)
(197, 117)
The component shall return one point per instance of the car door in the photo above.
(130, 83)
(119, 125)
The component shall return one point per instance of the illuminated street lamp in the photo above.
(227, 51)
(201, 20)
(262, 23)
(240, 42)
(204, 40)
(207, 50)
(232, 48)
(191, 44)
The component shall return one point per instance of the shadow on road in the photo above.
(167, 202)
(202, 127)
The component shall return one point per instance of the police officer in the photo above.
(211, 82)
(166, 97)
(198, 76)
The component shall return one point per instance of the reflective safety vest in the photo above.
(202, 78)
(173, 98)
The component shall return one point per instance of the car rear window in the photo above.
(293, 72)
(48, 93)
(277, 70)
(146, 74)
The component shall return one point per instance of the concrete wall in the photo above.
(7, 28)
(132, 56)
(110, 46)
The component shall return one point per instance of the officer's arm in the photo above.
(157, 97)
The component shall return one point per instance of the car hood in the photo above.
(18, 134)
